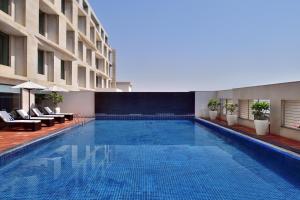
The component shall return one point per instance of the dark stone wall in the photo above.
(147, 103)
(9, 101)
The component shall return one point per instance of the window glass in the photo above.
(41, 62)
(42, 23)
(4, 5)
(62, 70)
(63, 6)
(291, 114)
(4, 47)
(9, 98)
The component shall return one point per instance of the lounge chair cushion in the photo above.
(50, 112)
(23, 114)
(6, 117)
(38, 113)
(25, 121)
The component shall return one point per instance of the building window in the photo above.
(99, 82)
(245, 111)
(62, 70)
(102, 34)
(97, 63)
(63, 6)
(4, 5)
(291, 114)
(4, 49)
(42, 23)
(10, 99)
(223, 102)
(41, 64)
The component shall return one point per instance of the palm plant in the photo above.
(230, 107)
(55, 98)
(260, 110)
(213, 104)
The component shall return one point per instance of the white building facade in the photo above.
(54, 42)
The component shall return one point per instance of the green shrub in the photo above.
(55, 98)
(230, 107)
(39, 98)
(213, 104)
(260, 110)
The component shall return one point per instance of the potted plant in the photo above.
(260, 110)
(231, 117)
(213, 106)
(56, 98)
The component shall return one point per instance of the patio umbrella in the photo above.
(29, 86)
(55, 89)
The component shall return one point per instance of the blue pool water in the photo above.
(146, 160)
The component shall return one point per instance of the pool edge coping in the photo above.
(262, 143)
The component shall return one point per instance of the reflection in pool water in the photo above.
(145, 160)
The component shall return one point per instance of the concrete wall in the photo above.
(124, 86)
(201, 101)
(276, 93)
(82, 103)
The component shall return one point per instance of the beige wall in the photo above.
(124, 86)
(201, 101)
(25, 99)
(82, 103)
(276, 93)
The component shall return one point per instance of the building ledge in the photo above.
(86, 40)
(272, 138)
(9, 26)
(108, 90)
(49, 45)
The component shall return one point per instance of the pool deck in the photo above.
(275, 139)
(10, 139)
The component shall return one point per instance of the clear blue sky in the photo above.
(184, 45)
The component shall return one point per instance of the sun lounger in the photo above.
(59, 118)
(7, 121)
(68, 116)
(48, 121)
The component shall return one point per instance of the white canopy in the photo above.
(29, 86)
(56, 89)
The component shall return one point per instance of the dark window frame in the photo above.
(42, 17)
(4, 6)
(63, 6)
(41, 62)
(62, 70)
(4, 44)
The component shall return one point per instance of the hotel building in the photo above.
(54, 42)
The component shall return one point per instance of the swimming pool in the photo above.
(147, 159)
